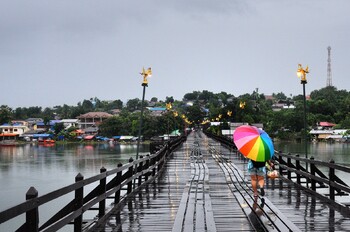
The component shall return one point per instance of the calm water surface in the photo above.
(339, 152)
(49, 168)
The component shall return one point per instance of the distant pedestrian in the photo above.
(257, 172)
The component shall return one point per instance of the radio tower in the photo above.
(329, 70)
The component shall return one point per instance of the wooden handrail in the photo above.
(72, 213)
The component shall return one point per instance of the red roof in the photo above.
(327, 124)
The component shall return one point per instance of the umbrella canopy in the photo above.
(253, 143)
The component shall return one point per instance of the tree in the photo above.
(195, 114)
(87, 106)
(191, 96)
(58, 127)
(5, 114)
(133, 104)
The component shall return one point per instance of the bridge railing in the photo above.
(318, 174)
(313, 175)
(124, 181)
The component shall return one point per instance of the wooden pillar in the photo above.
(147, 166)
(130, 173)
(79, 196)
(331, 179)
(102, 204)
(118, 182)
(32, 216)
(297, 164)
(140, 169)
(280, 160)
(289, 173)
(313, 172)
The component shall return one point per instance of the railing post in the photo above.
(297, 164)
(118, 182)
(130, 173)
(160, 158)
(102, 204)
(79, 196)
(140, 169)
(153, 162)
(32, 216)
(331, 179)
(289, 173)
(147, 166)
(280, 160)
(313, 172)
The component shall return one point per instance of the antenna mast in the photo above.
(329, 70)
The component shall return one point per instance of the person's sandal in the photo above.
(262, 192)
(262, 203)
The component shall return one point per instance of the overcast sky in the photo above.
(64, 51)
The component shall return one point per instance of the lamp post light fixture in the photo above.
(301, 73)
(145, 74)
(168, 108)
(229, 114)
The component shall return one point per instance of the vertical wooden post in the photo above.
(147, 166)
(130, 173)
(280, 160)
(140, 169)
(297, 164)
(102, 204)
(79, 196)
(118, 182)
(153, 162)
(32, 216)
(331, 179)
(289, 173)
(313, 172)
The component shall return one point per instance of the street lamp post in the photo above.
(302, 75)
(145, 73)
(168, 108)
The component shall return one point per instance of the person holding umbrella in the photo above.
(257, 146)
(257, 172)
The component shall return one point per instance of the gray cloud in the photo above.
(56, 52)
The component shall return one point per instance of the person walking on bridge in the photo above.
(256, 145)
(257, 172)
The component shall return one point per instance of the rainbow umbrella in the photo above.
(253, 143)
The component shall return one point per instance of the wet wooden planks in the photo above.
(191, 195)
(306, 211)
(172, 204)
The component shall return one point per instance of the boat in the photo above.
(44, 139)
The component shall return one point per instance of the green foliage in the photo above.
(5, 114)
(326, 104)
(58, 127)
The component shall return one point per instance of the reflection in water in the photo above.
(49, 168)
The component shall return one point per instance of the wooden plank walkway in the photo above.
(205, 187)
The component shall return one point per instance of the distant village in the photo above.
(277, 113)
(85, 128)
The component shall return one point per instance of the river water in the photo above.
(323, 151)
(48, 168)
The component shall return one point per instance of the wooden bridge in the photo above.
(197, 184)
